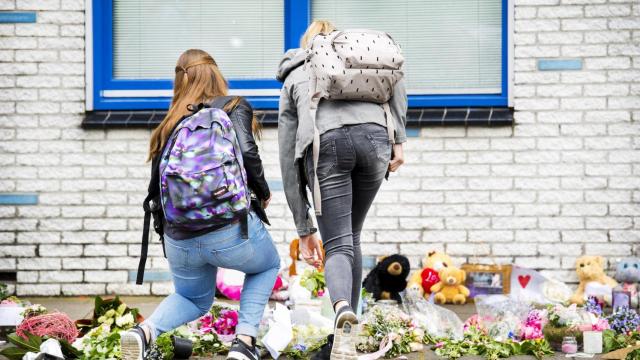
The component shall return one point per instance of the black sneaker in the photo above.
(241, 351)
(324, 353)
(133, 344)
(343, 316)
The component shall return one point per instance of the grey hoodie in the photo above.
(294, 122)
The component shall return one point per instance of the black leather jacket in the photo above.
(241, 117)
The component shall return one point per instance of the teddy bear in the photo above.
(628, 275)
(422, 280)
(388, 278)
(294, 254)
(593, 280)
(450, 288)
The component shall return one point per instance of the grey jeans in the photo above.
(353, 162)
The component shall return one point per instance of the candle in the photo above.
(592, 342)
(569, 345)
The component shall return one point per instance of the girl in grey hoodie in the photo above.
(355, 155)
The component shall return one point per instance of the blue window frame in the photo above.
(110, 93)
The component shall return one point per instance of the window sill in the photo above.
(471, 116)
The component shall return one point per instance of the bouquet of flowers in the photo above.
(102, 338)
(532, 327)
(221, 321)
(566, 321)
(307, 339)
(313, 280)
(388, 322)
(624, 321)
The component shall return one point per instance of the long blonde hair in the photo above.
(198, 80)
(316, 27)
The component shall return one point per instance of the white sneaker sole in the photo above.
(131, 347)
(346, 317)
(235, 355)
(344, 344)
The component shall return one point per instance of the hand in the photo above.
(265, 203)
(311, 251)
(398, 158)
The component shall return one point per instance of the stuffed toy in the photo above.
(294, 254)
(423, 279)
(230, 282)
(593, 280)
(280, 290)
(450, 288)
(628, 275)
(388, 278)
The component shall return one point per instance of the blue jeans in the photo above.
(194, 263)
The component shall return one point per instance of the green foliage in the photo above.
(4, 293)
(555, 334)
(207, 345)
(313, 280)
(162, 348)
(32, 344)
(101, 343)
(477, 343)
(612, 341)
(634, 355)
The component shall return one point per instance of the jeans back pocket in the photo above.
(234, 256)
(381, 146)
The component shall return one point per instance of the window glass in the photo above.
(246, 38)
(450, 47)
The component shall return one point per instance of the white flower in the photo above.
(125, 320)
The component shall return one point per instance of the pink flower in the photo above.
(600, 325)
(206, 324)
(439, 345)
(532, 327)
(226, 323)
(473, 323)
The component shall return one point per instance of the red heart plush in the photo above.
(524, 280)
(430, 277)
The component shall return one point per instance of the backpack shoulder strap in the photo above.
(153, 195)
(220, 101)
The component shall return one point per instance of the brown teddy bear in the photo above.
(450, 288)
(422, 280)
(590, 269)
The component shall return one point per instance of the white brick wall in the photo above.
(562, 182)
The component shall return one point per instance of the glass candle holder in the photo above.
(569, 345)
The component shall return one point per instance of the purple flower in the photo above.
(593, 306)
(624, 320)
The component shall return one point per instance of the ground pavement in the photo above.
(82, 307)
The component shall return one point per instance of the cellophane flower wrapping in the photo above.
(532, 326)
(501, 316)
(437, 321)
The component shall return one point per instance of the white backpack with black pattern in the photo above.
(359, 65)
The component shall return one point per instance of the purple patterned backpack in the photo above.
(202, 177)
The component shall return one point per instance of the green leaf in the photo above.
(32, 344)
(13, 353)
(68, 350)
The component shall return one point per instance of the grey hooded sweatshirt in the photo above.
(295, 128)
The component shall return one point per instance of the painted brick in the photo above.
(562, 182)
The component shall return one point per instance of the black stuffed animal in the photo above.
(388, 278)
